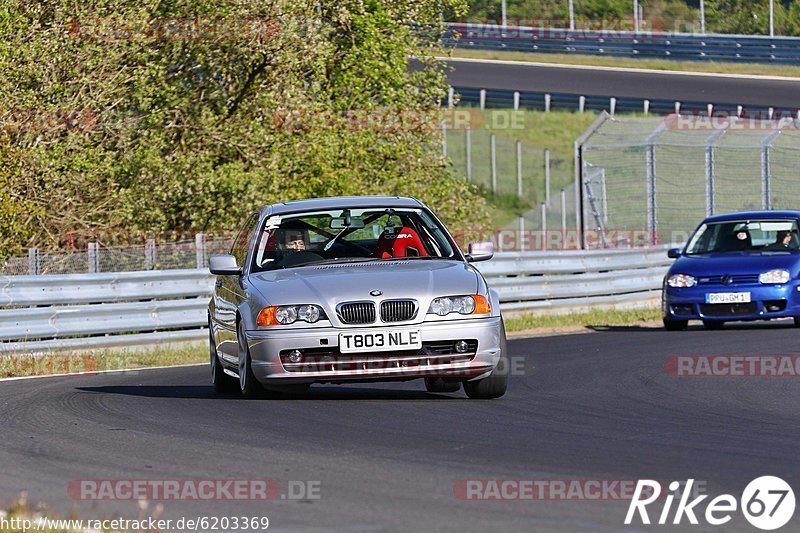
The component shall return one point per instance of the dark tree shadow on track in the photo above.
(317, 392)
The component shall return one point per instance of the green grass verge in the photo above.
(595, 318)
(93, 361)
(620, 62)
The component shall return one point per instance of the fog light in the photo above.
(462, 346)
(295, 356)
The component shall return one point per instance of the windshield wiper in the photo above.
(334, 260)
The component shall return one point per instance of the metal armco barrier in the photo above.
(127, 309)
(678, 46)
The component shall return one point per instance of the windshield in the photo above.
(344, 235)
(745, 236)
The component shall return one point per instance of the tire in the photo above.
(675, 325)
(249, 386)
(221, 381)
(797, 321)
(440, 385)
(713, 324)
(495, 384)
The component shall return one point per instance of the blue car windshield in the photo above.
(745, 236)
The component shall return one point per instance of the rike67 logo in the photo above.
(767, 503)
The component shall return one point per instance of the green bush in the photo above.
(105, 125)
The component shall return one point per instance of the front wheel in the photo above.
(495, 384)
(219, 379)
(248, 384)
(797, 321)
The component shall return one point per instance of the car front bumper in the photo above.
(324, 362)
(767, 302)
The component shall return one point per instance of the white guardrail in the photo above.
(88, 311)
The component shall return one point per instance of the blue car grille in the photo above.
(733, 279)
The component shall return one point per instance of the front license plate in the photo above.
(727, 297)
(380, 341)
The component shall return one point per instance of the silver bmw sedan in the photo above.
(355, 289)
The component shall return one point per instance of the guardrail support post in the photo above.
(93, 256)
(612, 105)
(646, 107)
(482, 99)
(200, 250)
(450, 96)
(493, 146)
(581, 104)
(516, 100)
(34, 262)
(709, 181)
(547, 100)
(468, 147)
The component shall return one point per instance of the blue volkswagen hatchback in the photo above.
(739, 266)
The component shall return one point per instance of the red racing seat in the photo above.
(402, 243)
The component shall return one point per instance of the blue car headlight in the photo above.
(775, 276)
(681, 280)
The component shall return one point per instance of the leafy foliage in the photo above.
(153, 115)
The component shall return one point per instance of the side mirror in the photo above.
(674, 253)
(480, 251)
(224, 265)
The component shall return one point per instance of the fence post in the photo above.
(651, 193)
(493, 150)
(93, 257)
(468, 143)
(200, 249)
(766, 170)
(34, 262)
(444, 139)
(519, 169)
(520, 236)
(563, 219)
(547, 176)
(544, 227)
(149, 254)
(711, 172)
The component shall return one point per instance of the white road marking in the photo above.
(620, 69)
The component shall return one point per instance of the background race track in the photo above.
(590, 406)
(624, 83)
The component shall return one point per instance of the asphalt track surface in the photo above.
(587, 406)
(517, 76)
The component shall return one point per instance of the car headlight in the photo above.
(775, 276)
(474, 304)
(283, 315)
(681, 280)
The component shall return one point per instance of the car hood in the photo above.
(331, 284)
(735, 263)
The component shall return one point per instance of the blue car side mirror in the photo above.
(674, 253)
